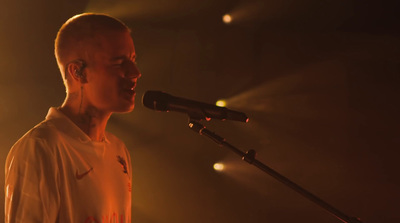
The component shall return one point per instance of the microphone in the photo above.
(161, 101)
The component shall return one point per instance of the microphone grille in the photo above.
(156, 100)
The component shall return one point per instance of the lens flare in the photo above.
(227, 18)
(220, 103)
(218, 167)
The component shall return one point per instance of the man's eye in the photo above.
(119, 63)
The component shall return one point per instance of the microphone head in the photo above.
(156, 100)
(161, 101)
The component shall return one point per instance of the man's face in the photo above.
(111, 73)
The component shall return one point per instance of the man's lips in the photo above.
(130, 91)
(130, 86)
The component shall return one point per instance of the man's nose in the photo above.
(133, 71)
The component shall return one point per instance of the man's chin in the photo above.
(126, 109)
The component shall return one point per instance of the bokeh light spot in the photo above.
(227, 18)
(220, 103)
(218, 167)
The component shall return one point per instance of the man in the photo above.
(68, 168)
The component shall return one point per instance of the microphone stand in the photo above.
(250, 157)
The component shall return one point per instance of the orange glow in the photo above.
(227, 18)
(220, 103)
(218, 167)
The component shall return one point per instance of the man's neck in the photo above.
(90, 121)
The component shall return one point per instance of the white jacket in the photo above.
(55, 173)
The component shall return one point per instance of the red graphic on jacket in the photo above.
(123, 163)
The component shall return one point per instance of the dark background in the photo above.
(319, 80)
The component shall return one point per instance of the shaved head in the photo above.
(77, 34)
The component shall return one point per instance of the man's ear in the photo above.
(76, 69)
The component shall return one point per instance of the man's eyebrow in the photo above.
(118, 58)
(122, 58)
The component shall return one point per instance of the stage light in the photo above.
(220, 103)
(227, 18)
(218, 167)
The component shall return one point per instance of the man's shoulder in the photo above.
(111, 138)
(45, 130)
(34, 145)
(40, 135)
